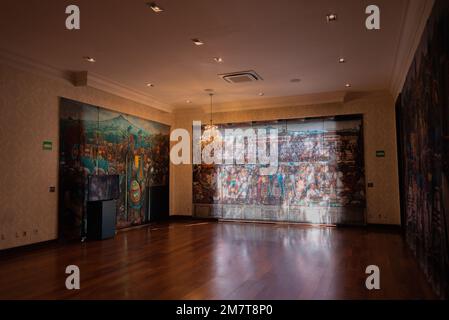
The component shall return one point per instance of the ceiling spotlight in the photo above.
(331, 17)
(150, 85)
(261, 94)
(155, 7)
(341, 60)
(197, 42)
(218, 59)
(89, 59)
(348, 85)
(188, 101)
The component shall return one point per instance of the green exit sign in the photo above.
(47, 145)
(380, 153)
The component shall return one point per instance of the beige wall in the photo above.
(29, 105)
(379, 134)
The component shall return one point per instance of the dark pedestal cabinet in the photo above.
(158, 203)
(101, 219)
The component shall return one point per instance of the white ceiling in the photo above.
(279, 39)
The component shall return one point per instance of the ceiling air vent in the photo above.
(240, 77)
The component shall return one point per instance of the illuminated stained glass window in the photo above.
(318, 177)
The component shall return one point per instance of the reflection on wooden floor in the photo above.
(188, 260)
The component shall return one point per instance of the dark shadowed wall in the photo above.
(424, 133)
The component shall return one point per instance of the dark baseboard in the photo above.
(190, 218)
(369, 225)
(286, 223)
(385, 226)
(28, 247)
(375, 227)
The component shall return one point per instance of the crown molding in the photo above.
(30, 65)
(276, 102)
(101, 83)
(414, 22)
(93, 80)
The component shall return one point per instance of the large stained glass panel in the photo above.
(319, 176)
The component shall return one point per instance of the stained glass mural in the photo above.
(423, 123)
(96, 141)
(319, 176)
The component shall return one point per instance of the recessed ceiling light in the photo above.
(261, 94)
(150, 85)
(331, 17)
(296, 80)
(197, 42)
(89, 59)
(341, 60)
(348, 85)
(188, 101)
(218, 59)
(155, 7)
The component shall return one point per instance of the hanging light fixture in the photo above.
(214, 133)
(211, 125)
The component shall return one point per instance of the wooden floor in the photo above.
(211, 260)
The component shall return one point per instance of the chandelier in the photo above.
(211, 132)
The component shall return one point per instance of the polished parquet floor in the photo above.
(219, 260)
